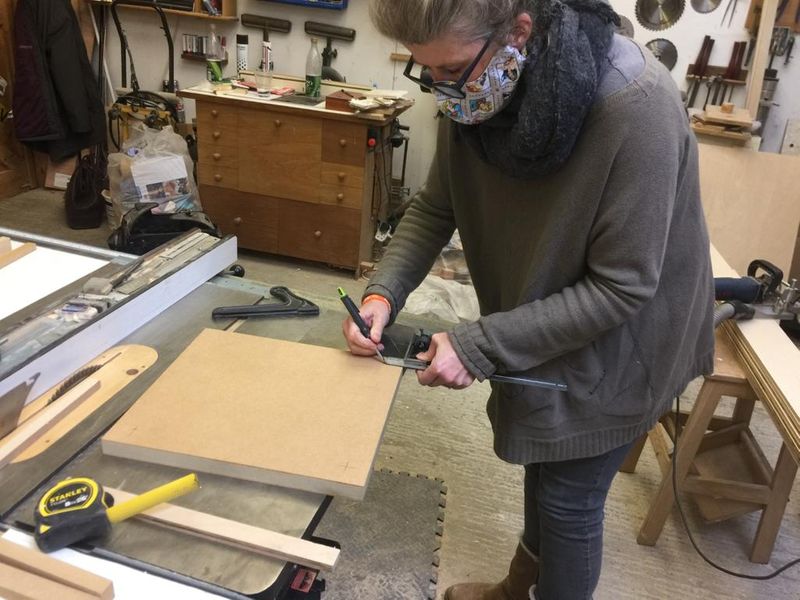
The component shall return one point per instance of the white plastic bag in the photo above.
(153, 166)
(447, 299)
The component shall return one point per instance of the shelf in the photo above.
(200, 58)
(172, 11)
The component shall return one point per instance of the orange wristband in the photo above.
(379, 298)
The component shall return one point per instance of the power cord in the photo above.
(775, 573)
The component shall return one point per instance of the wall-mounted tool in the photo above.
(265, 24)
(665, 51)
(291, 305)
(730, 8)
(625, 27)
(658, 15)
(697, 71)
(705, 6)
(330, 33)
(331, 4)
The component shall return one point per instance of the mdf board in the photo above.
(264, 410)
(752, 204)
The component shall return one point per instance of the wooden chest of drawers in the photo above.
(292, 181)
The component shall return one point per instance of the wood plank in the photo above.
(739, 116)
(19, 584)
(9, 257)
(5, 245)
(742, 191)
(772, 363)
(755, 81)
(263, 410)
(225, 531)
(38, 563)
(31, 430)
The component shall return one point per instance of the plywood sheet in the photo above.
(772, 363)
(752, 204)
(265, 410)
(39, 274)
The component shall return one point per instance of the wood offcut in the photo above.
(6, 258)
(239, 535)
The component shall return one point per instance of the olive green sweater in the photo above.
(597, 276)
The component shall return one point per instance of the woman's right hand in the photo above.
(376, 315)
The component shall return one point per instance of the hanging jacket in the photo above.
(56, 103)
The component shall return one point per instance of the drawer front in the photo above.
(344, 143)
(211, 115)
(218, 155)
(214, 135)
(218, 176)
(342, 175)
(252, 219)
(318, 232)
(278, 132)
(280, 155)
(341, 196)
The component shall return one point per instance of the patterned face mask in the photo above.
(487, 95)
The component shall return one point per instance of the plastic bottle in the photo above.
(214, 56)
(313, 70)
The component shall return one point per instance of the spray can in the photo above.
(241, 52)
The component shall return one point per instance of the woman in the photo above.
(567, 164)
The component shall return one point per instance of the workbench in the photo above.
(293, 179)
(218, 570)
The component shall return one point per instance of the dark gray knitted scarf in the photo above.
(535, 134)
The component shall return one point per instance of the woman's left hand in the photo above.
(446, 367)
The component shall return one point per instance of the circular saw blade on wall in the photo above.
(625, 27)
(658, 15)
(665, 51)
(705, 6)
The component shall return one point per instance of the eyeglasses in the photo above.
(451, 89)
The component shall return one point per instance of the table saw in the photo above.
(164, 311)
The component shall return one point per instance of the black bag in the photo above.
(142, 231)
(83, 199)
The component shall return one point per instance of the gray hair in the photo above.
(422, 21)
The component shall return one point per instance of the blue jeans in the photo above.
(564, 504)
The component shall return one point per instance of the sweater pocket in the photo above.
(626, 390)
(537, 408)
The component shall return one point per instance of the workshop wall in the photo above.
(367, 59)
(364, 61)
(687, 35)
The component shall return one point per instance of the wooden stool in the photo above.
(719, 461)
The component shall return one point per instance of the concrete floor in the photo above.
(445, 434)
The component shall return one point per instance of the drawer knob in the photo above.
(214, 112)
(217, 177)
(317, 234)
(216, 135)
(237, 221)
(342, 176)
(343, 142)
(278, 122)
(216, 156)
(340, 196)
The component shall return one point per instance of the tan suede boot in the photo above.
(522, 574)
